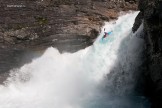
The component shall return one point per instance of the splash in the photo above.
(73, 80)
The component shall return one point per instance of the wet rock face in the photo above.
(150, 14)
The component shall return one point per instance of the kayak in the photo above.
(109, 38)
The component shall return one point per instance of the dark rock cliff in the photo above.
(151, 16)
(69, 25)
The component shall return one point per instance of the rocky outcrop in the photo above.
(34, 25)
(68, 25)
(151, 16)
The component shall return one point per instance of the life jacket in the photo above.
(105, 34)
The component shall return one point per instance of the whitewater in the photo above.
(90, 78)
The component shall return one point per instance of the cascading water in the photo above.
(77, 80)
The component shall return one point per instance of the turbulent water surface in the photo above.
(100, 76)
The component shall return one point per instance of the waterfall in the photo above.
(85, 79)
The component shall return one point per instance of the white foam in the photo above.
(66, 80)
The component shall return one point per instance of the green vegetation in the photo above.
(41, 20)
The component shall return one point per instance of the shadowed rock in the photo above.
(150, 13)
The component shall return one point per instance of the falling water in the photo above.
(84, 79)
